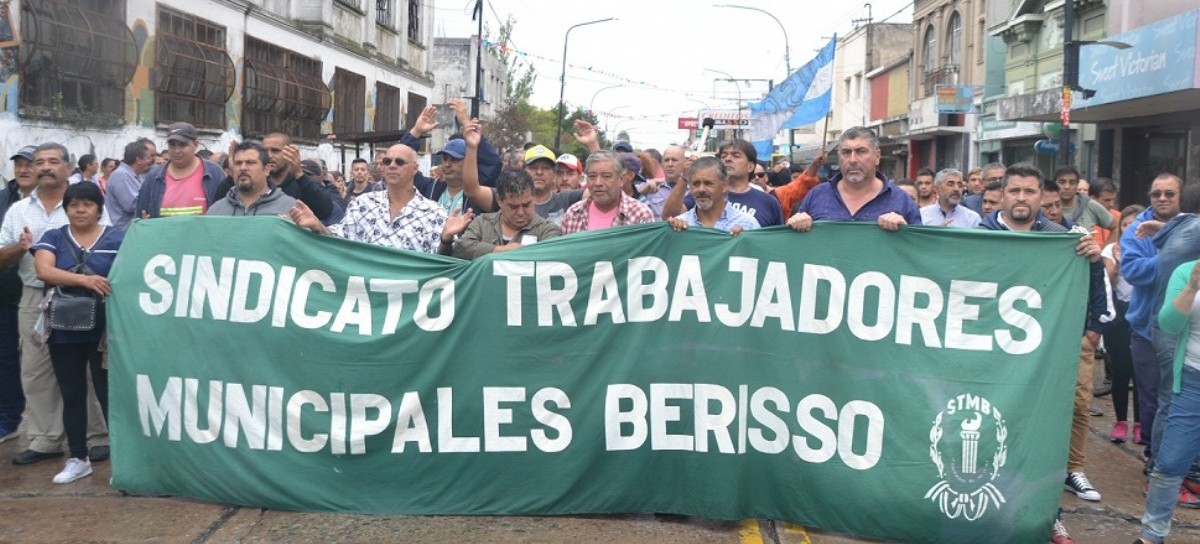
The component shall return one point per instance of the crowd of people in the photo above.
(64, 220)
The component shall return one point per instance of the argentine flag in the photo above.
(803, 98)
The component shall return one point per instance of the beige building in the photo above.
(946, 80)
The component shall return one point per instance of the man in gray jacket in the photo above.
(252, 193)
(514, 226)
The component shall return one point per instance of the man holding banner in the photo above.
(858, 192)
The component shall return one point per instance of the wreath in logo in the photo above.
(974, 504)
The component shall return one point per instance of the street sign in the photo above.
(1047, 147)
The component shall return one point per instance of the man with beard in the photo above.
(707, 178)
(252, 193)
(288, 175)
(740, 158)
(399, 217)
(858, 192)
(24, 223)
(1020, 209)
(187, 184)
(607, 205)
(949, 186)
(360, 175)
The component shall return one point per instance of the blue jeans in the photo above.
(1178, 449)
(12, 396)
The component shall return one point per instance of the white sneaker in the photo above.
(74, 470)
(1077, 483)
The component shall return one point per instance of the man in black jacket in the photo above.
(12, 395)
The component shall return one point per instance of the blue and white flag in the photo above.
(803, 98)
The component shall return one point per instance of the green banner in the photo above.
(911, 386)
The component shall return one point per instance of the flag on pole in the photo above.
(803, 98)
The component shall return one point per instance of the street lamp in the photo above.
(737, 86)
(592, 102)
(787, 50)
(1071, 76)
(609, 114)
(563, 79)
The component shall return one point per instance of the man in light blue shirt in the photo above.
(707, 179)
(125, 182)
(950, 187)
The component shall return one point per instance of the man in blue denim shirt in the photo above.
(858, 192)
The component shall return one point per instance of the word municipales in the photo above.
(250, 291)
(634, 417)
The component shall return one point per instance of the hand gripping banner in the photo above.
(913, 386)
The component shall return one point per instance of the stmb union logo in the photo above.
(967, 445)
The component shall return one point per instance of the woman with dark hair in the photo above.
(107, 166)
(78, 255)
(1116, 336)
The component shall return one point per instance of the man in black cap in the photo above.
(186, 184)
(12, 395)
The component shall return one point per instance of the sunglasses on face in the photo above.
(387, 161)
(760, 174)
(1161, 194)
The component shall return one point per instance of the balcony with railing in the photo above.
(946, 74)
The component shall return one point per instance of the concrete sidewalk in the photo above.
(32, 509)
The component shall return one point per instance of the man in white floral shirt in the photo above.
(398, 217)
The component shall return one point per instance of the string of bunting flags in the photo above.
(509, 50)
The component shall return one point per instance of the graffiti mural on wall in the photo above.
(10, 44)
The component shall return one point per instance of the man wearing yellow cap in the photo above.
(549, 202)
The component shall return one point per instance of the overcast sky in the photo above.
(659, 52)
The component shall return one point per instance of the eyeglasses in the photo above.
(760, 174)
(387, 161)
(1161, 194)
(995, 178)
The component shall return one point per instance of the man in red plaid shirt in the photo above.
(607, 204)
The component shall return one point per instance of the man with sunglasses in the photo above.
(397, 217)
(1141, 267)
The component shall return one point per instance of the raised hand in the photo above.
(586, 134)
(462, 113)
(426, 122)
(472, 133)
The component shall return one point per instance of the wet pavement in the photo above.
(32, 509)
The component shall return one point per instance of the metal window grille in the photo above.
(414, 20)
(76, 56)
(282, 92)
(383, 12)
(194, 74)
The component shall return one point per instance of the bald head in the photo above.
(399, 167)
